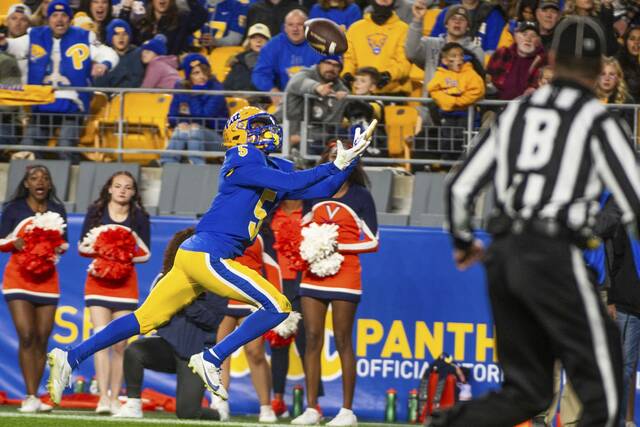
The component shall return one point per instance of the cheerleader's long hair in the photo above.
(102, 202)
(21, 192)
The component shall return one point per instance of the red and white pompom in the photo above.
(114, 248)
(43, 237)
(283, 334)
(319, 249)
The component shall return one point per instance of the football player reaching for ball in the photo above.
(251, 184)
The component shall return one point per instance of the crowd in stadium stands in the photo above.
(500, 49)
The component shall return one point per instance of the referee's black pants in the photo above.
(545, 307)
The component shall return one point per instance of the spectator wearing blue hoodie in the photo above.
(130, 71)
(487, 23)
(284, 55)
(342, 12)
(197, 117)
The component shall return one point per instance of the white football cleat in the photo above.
(210, 374)
(131, 409)
(267, 415)
(221, 406)
(44, 407)
(104, 406)
(59, 374)
(309, 417)
(345, 417)
(30, 405)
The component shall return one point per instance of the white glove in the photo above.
(361, 141)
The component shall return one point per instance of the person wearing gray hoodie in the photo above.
(325, 110)
(425, 51)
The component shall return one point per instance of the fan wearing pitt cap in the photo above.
(251, 185)
(548, 156)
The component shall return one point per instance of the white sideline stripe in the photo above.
(598, 335)
(71, 415)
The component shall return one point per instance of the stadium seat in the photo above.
(59, 174)
(429, 20)
(5, 5)
(90, 137)
(427, 201)
(220, 59)
(381, 190)
(416, 75)
(234, 104)
(145, 124)
(92, 177)
(400, 124)
(187, 190)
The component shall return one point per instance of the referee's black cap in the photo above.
(578, 37)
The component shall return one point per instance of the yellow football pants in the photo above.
(196, 272)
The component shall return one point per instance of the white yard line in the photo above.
(74, 415)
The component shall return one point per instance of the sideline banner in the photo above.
(415, 305)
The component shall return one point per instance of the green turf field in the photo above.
(65, 418)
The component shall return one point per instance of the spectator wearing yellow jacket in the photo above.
(455, 84)
(377, 41)
(454, 87)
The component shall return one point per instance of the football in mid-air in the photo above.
(325, 36)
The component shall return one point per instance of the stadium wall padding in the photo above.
(415, 306)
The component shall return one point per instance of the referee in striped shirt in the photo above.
(549, 157)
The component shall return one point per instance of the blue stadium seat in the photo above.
(427, 204)
(382, 190)
(92, 177)
(187, 190)
(59, 173)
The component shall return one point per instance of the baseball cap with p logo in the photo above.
(578, 37)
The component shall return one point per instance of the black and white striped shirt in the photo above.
(549, 156)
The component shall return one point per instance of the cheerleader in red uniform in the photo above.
(116, 233)
(30, 283)
(256, 258)
(285, 224)
(348, 222)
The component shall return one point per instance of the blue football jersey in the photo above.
(251, 184)
(228, 15)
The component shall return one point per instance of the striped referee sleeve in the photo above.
(464, 184)
(617, 166)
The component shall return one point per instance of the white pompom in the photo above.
(48, 221)
(318, 248)
(288, 326)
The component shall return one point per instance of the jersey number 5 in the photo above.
(260, 213)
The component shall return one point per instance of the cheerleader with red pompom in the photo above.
(285, 225)
(335, 231)
(33, 227)
(116, 234)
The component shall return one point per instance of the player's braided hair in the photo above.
(101, 203)
(172, 248)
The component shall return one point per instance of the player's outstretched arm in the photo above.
(248, 169)
(330, 185)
